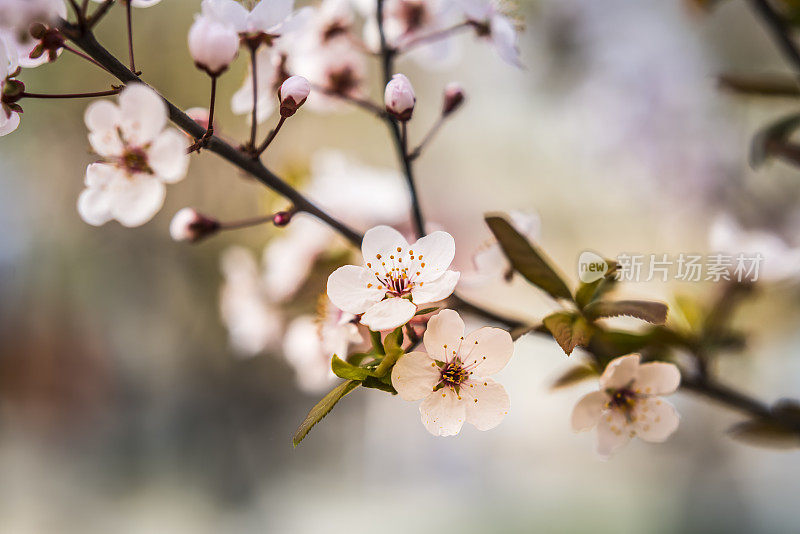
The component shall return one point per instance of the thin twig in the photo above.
(270, 137)
(254, 120)
(414, 154)
(82, 55)
(110, 92)
(129, 20)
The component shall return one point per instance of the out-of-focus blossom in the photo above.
(213, 44)
(399, 97)
(268, 17)
(490, 261)
(337, 69)
(310, 342)
(10, 89)
(359, 195)
(271, 71)
(191, 226)
(292, 94)
(254, 324)
(451, 377)
(778, 261)
(16, 19)
(396, 277)
(453, 98)
(137, 3)
(490, 24)
(138, 156)
(628, 404)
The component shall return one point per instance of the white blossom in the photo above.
(399, 97)
(396, 277)
(292, 94)
(337, 68)
(190, 225)
(628, 404)
(268, 17)
(138, 156)
(9, 111)
(253, 323)
(494, 26)
(213, 44)
(451, 377)
(16, 18)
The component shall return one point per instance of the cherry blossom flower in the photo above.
(254, 324)
(311, 341)
(451, 376)
(9, 89)
(338, 69)
(191, 226)
(213, 44)
(399, 97)
(494, 26)
(138, 156)
(396, 277)
(16, 19)
(268, 17)
(292, 94)
(628, 404)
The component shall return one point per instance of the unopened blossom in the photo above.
(453, 98)
(490, 24)
(293, 94)
(396, 277)
(399, 97)
(191, 226)
(451, 377)
(213, 44)
(629, 404)
(16, 19)
(311, 341)
(254, 324)
(138, 157)
(10, 89)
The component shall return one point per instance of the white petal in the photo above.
(102, 116)
(504, 37)
(388, 314)
(487, 403)
(144, 3)
(433, 255)
(9, 125)
(167, 156)
(612, 432)
(268, 13)
(347, 289)
(491, 348)
(620, 372)
(656, 419)
(227, 12)
(435, 290)
(657, 378)
(143, 114)
(587, 411)
(102, 175)
(442, 412)
(94, 206)
(444, 335)
(414, 376)
(138, 201)
(383, 241)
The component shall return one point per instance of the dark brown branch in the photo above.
(781, 32)
(772, 86)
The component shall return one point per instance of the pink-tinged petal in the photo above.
(657, 378)
(443, 413)
(143, 114)
(415, 375)
(435, 290)
(588, 410)
(353, 289)
(383, 241)
(444, 335)
(102, 116)
(9, 125)
(138, 200)
(94, 206)
(433, 254)
(226, 12)
(102, 175)
(489, 349)
(167, 156)
(504, 38)
(144, 3)
(487, 403)
(268, 14)
(388, 314)
(612, 432)
(620, 372)
(656, 419)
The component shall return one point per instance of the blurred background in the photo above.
(123, 408)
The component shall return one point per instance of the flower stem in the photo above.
(82, 55)
(270, 137)
(129, 19)
(202, 141)
(254, 120)
(246, 223)
(414, 154)
(110, 92)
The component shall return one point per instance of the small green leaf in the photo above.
(391, 346)
(322, 408)
(569, 330)
(652, 312)
(379, 383)
(348, 371)
(588, 293)
(771, 136)
(527, 259)
(426, 311)
(377, 344)
(573, 375)
(765, 433)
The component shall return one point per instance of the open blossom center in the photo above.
(343, 81)
(134, 160)
(397, 279)
(623, 399)
(414, 15)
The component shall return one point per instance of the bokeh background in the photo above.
(123, 409)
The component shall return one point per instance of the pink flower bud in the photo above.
(213, 45)
(200, 116)
(292, 94)
(282, 218)
(453, 98)
(191, 226)
(399, 97)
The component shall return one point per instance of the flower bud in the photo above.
(213, 45)
(282, 218)
(292, 94)
(191, 226)
(399, 97)
(200, 116)
(453, 98)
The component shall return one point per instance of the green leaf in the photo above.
(348, 371)
(322, 408)
(652, 312)
(569, 330)
(426, 311)
(765, 433)
(383, 384)
(377, 344)
(768, 138)
(527, 259)
(573, 375)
